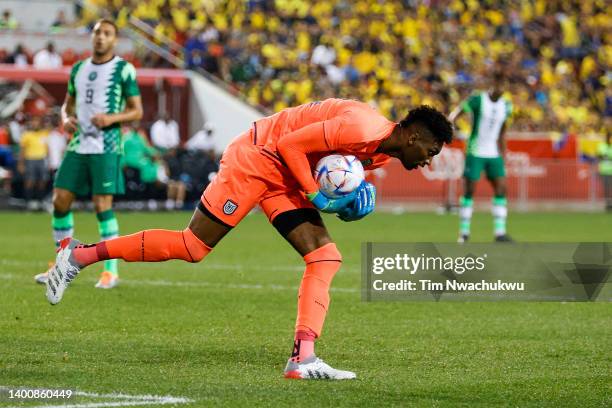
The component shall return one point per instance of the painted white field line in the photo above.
(212, 266)
(223, 285)
(19, 262)
(124, 400)
(205, 266)
(191, 284)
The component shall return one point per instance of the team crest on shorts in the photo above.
(229, 207)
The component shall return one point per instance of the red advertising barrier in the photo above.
(538, 144)
(528, 179)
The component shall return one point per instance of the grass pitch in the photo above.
(219, 332)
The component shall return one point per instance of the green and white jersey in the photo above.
(100, 88)
(488, 117)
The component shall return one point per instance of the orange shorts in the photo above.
(250, 175)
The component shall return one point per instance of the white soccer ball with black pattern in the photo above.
(338, 175)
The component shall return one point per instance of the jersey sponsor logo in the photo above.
(107, 184)
(92, 76)
(230, 207)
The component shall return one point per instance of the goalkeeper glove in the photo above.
(330, 205)
(364, 203)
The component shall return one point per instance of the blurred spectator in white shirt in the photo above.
(47, 58)
(165, 133)
(202, 140)
(57, 145)
(323, 54)
(16, 127)
(19, 57)
(334, 74)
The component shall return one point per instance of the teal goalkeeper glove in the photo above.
(364, 203)
(330, 205)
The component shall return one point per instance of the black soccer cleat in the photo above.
(463, 238)
(503, 238)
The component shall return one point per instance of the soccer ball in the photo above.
(338, 175)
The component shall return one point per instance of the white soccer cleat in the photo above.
(63, 272)
(313, 368)
(42, 278)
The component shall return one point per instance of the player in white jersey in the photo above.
(102, 94)
(485, 150)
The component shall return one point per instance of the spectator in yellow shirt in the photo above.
(33, 163)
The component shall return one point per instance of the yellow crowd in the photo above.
(556, 54)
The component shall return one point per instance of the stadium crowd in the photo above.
(394, 54)
(556, 54)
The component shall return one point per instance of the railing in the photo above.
(141, 33)
(530, 182)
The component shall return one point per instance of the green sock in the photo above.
(63, 225)
(465, 215)
(108, 228)
(500, 213)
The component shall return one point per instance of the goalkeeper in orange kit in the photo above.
(271, 165)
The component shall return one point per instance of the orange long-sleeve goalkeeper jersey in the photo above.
(303, 134)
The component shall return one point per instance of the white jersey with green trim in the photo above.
(100, 88)
(488, 118)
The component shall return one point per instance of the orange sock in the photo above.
(313, 299)
(145, 246)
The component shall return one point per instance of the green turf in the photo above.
(219, 332)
